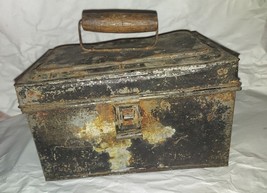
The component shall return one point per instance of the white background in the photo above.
(28, 28)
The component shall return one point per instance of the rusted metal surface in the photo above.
(99, 114)
(181, 60)
(177, 132)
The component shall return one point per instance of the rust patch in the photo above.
(224, 97)
(33, 95)
(105, 112)
(100, 131)
(165, 105)
(153, 131)
(222, 72)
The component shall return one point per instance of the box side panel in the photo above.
(176, 132)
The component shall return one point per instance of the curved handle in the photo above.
(118, 21)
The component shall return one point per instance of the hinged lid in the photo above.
(179, 48)
(181, 61)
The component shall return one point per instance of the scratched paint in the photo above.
(126, 90)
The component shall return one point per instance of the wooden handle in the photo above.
(119, 21)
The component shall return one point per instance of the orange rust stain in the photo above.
(212, 115)
(224, 97)
(34, 94)
(98, 127)
(103, 124)
(101, 133)
(147, 107)
(41, 113)
(106, 112)
(153, 131)
(165, 105)
(235, 82)
(222, 72)
(98, 122)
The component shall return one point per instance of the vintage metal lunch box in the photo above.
(130, 105)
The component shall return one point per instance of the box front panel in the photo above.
(135, 135)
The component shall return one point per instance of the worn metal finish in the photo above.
(107, 113)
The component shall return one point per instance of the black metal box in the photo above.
(103, 112)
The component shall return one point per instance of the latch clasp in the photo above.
(128, 121)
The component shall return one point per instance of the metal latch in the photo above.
(128, 121)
